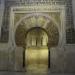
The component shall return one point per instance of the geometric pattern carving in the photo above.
(31, 22)
(69, 18)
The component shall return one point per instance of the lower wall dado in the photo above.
(61, 59)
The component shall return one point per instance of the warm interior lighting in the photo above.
(37, 59)
(36, 53)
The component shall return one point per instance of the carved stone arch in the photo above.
(51, 27)
(15, 27)
(37, 14)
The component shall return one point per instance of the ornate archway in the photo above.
(38, 20)
(35, 23)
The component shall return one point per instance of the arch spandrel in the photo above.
(26, 16)
(18, 16)
(53, 35)
(20, 35)
(56, 16)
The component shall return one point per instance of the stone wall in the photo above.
(62, 58)
(4, 57)
(73, 6)
(57, 60)
(1, 14)
(69, 58)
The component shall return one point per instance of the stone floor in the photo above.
(31, 73)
